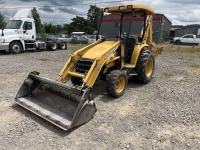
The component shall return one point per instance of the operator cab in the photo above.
(127, 15)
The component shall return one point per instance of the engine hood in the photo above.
(100, 49)
(7, 32)
(10, 35)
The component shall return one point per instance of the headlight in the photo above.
(2, 40)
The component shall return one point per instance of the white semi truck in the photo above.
(20, 35)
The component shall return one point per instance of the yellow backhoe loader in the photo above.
(116, 61)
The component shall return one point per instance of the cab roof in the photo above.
(138, 8)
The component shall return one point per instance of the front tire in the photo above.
(116, 82)
(15, 48)
(144, 67)
(178, 42)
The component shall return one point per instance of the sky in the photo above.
(179, 12)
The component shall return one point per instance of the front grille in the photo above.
(83, 65)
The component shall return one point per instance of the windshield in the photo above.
(14, 24)
(110, 26)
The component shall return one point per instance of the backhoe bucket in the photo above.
(64, 106)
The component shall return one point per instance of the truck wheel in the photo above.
(15, 48)
(178, 42)
(62, 46)
(116, 82)
(144, 67)
(76, 81)
(53, 46)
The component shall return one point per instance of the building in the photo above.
(161, 26)
(173, 29)
(189, 29)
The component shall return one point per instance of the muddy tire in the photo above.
(53, 46)
(116, 82)
(76, 81)
(144, 67)
(15, 48)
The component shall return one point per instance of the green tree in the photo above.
(59, 28)
(79, 24)
(92, 15)
(37, 19)
(50, 28)
(2, 21)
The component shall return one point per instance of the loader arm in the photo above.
(71, 62)
(100, 53)
(99, 62)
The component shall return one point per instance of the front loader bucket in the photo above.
(64, 106)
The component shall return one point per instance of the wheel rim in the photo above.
(16, 48)
(149, 67)
(120, 84)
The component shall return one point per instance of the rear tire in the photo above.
(62, 45)
(15, 48)
(53, 46)
(116, 82)
(144, 67)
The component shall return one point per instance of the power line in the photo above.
(54, 6)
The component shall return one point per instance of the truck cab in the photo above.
(19, 34)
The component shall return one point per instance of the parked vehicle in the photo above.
(187, 39)
(65, 38)
(92, 38)
(54, 43)
(20, 35)
(79, 40)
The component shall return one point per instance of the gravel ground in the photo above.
(164, 114)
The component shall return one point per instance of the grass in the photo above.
(181, 50)
(167, 49)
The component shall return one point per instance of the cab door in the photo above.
(28, 31)
(188, 39)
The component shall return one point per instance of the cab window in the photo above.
(188, 36)
(27, 26)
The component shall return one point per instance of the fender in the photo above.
(21, 42)
(136, 52)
